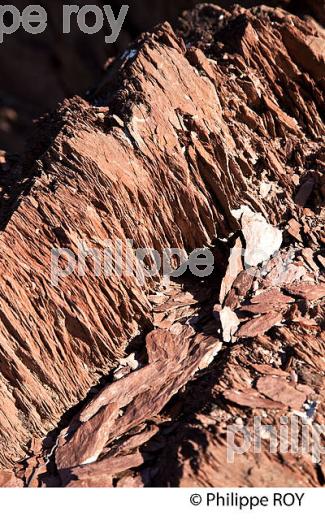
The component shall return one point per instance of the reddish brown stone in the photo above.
(8, 480)
(166, 161)
(278, 389)
(310, 292)
(252, 399)
(259, 326)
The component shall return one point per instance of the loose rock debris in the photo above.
(211, 114)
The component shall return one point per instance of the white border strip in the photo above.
(152, 504)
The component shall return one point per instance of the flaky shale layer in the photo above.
(184, 129)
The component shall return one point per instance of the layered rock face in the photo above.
(40, 71)
(212, 130)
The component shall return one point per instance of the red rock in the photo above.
(244, 282)
(174, 357)
(258, 326)
(321, 259)
(308, 256)
(186, 155)
(307, 291)
(8, 480)
(278, 389)
(304, 193)
(272, 297)
(252, 399)
(294, 229)
(235, 266)
(268, 370)
(99, 474)
(268, 301)
(89, 440)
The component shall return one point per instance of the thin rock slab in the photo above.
(309, 292)
(99, 474)
(258, 326)
(235, 266)
(278, 389)
(9, 480)
(252, 399)
(174, 357)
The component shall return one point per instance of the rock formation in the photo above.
(206, 135)
(40, 71)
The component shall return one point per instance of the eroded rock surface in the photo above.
(184, 130)
(40, 71)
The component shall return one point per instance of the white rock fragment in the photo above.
(230, 324)
(130, 362)
(265, 189)
(262, 239)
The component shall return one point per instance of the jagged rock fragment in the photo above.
(278, 389)
(252, 399)
(229, 323)
(309, 292)
(235, 266)
(259, 326)
(262, 239)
